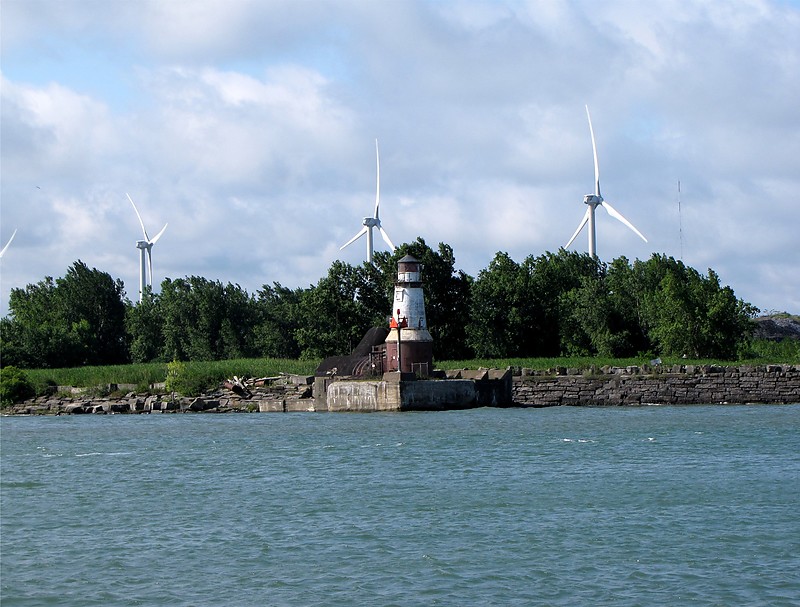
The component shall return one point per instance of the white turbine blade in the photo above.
(354, 238)
(386, 238)
(594, 151)
(141, 223)
(617, 215)
(8, 243)
(378, 188)
(580, 226)
(157, 236)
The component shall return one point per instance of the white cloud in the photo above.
(52, 127)
(250, 128)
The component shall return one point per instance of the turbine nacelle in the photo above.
(592, 199)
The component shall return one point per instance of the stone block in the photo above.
(299, 405)
(271, 406)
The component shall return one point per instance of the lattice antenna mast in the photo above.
(680, 218)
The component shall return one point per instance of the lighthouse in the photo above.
(409, 345)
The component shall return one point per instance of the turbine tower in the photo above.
(372, 222)
(594, 200)
(145, 251)
(8, 243)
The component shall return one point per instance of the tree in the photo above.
(626, 314)
(237, 338)
(518, 310)
(375, 292)
(144, 323)
(556, 303)
(32, 337)
(278, 319)
(204, 320)
(333, 320)
(685, 313)
(179, 317)
(75, 320)
(728, 323)
(584, 317)
(497, 311)
(552, 275)
(93, 301)
(602, 315)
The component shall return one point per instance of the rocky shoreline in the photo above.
(229, 398)
(605, 386)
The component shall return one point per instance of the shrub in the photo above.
(175, 371)
(193, 384)
(785, 350)
(14, 386)
(190, 379)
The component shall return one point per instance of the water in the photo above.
(563, 506)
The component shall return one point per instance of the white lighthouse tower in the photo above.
(409, 345)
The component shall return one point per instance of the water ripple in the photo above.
(650, 506)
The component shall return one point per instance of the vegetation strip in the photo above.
(556, 304)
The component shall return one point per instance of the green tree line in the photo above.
(556, 304)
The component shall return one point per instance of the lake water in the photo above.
(695, 505)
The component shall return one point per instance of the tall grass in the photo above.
(542, 364)
(139, 374)
(209, 373)
(761, 352)
(786, 350)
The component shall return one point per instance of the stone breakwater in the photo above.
(676, 385)
(606, 386)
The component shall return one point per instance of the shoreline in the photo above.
(593, 387)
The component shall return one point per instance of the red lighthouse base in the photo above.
(415, 356)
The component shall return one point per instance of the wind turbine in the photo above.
(145, 250)
(372, 222)
(8, 243)
(594, 200)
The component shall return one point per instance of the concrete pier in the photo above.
(403, 392)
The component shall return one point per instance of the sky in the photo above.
(249, 127)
